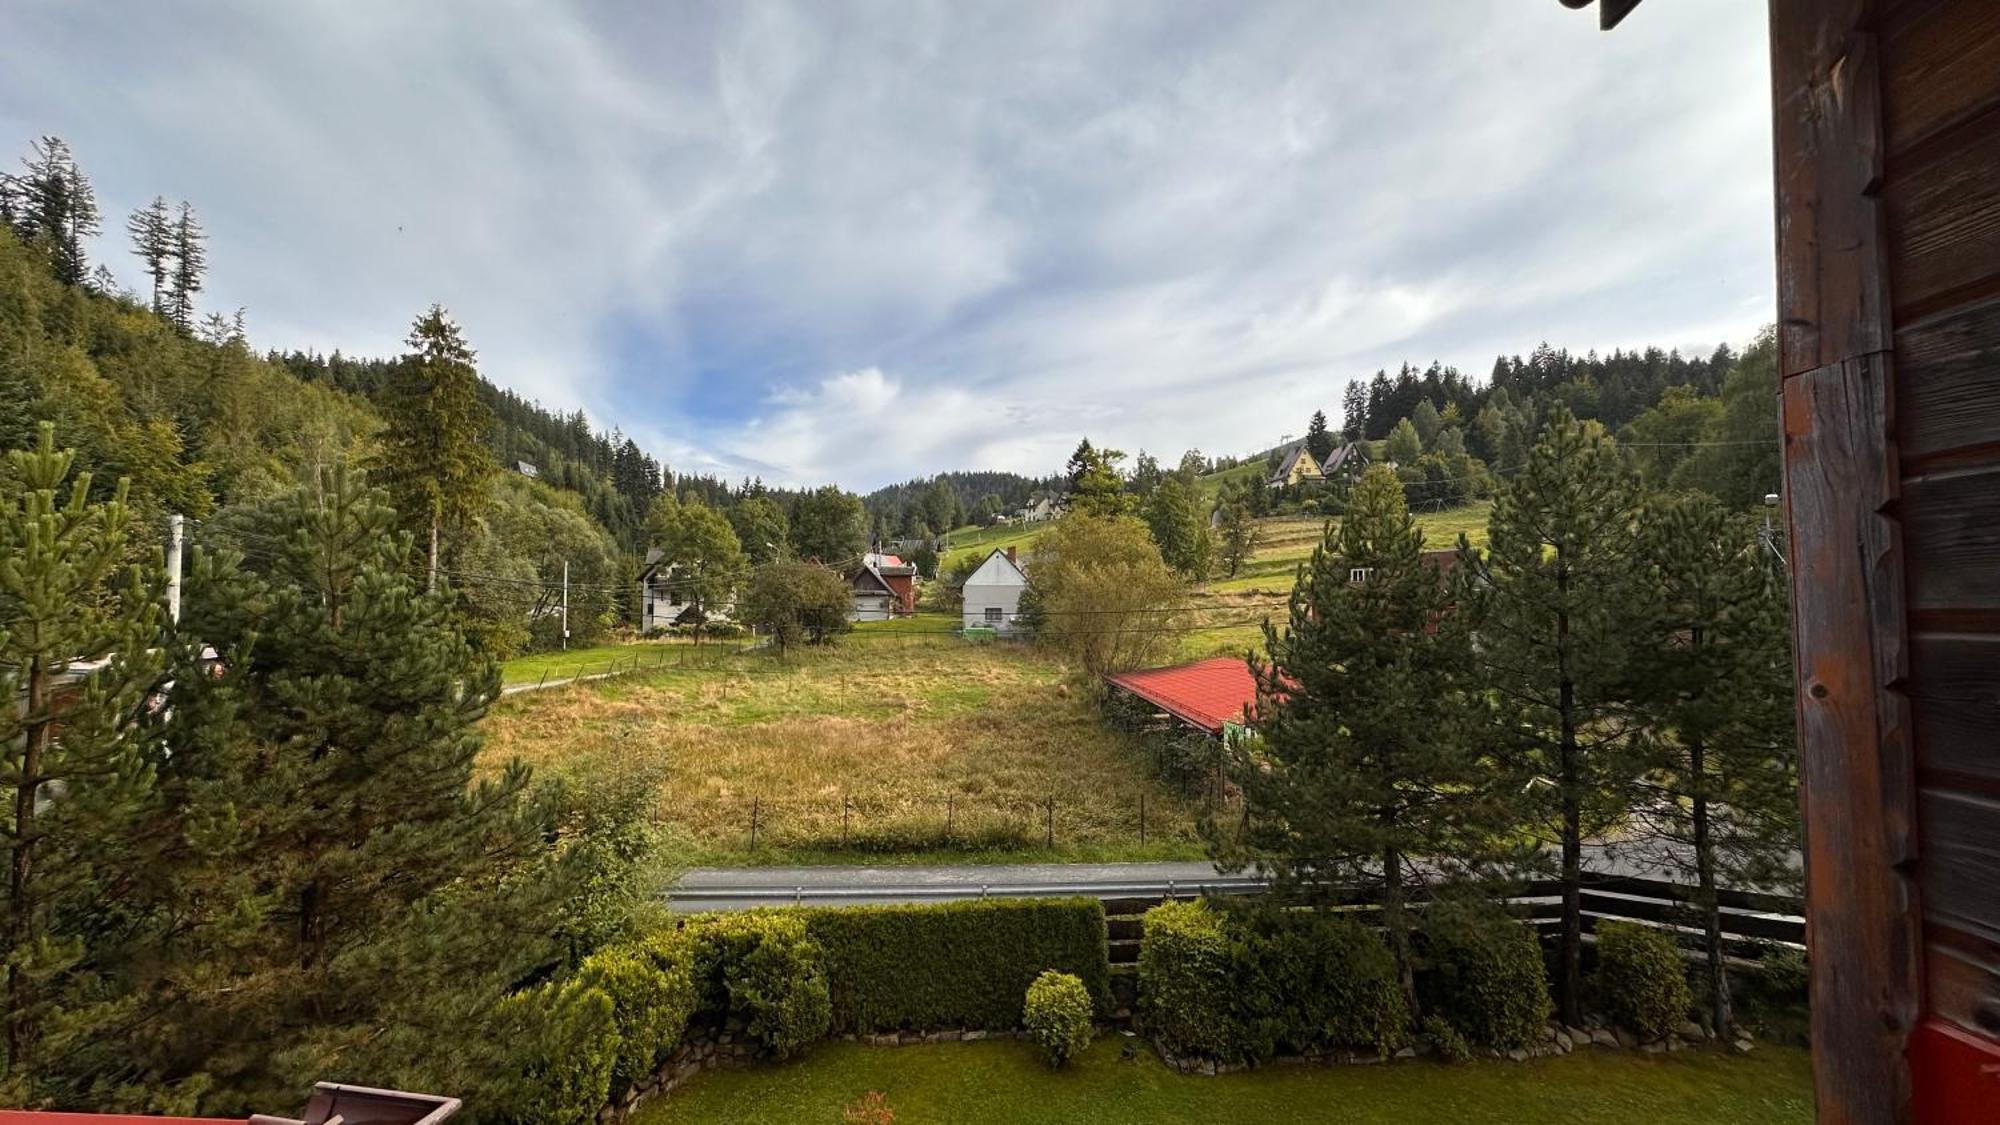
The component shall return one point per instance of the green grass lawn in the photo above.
(1004, 1081)
(596, 658)
(981, 540)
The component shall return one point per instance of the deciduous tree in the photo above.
(1103, 596)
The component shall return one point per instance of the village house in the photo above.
(1213, 697)
(899, 576)
(663, 599)
(1039, 509)
(1346, 463)
(873, 598)
(993, 593)
(1298, 467)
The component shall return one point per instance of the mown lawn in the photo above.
(887, 747)
(995, 1081)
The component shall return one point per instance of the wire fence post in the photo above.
(843, 820)
(756, 807)
(1052, 822)
(950, 808)
(1142, 817)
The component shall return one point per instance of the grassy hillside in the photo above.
(980, 540)
(1211, 485)
(909, 729)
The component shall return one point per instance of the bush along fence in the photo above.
(1217, 985)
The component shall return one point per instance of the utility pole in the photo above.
(175, 530)
(565, 611)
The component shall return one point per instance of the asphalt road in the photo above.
(739, 888)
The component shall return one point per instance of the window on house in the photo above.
(993, 615)
(1360, 574)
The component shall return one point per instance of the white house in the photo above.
(1039, 510)
(663, 595)
(874, 598)
(993, 593)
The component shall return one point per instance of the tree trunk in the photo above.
(1397, 921)
(1569, 785)
(20, 910)
(431, 584)
(1711, 910)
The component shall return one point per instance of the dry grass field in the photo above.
(887, 747)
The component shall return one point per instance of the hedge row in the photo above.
(1246, 984)
(959, 964)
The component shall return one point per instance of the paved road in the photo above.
(738, 888)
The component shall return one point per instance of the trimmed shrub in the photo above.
(1485, 973)
(959, 964)
(1057, 1012)
(650, 983)
(1184, 981)
(566, 1039)
(761, 967)
(1308, 981)
(1445, 1040)
(1641, 978)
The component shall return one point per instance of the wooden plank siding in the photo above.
(1887, 128)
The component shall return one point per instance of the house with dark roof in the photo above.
(874, 599)
(1298, 467)
(1345, 463)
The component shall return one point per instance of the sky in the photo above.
(865, 242)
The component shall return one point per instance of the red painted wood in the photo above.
(1955, 1076)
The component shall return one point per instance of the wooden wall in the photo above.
(1887, 128)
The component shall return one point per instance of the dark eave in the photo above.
(1609, 12)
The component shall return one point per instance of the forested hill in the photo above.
(928, 506)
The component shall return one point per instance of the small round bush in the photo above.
(1641, 978)
(1484, 973)
(1057, 1013)
(651, 986)
(762, 968)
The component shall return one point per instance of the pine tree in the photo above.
(58, 209)
(1426, 420)
(1405, 446)
(1344, 786)
(190, 264)
(1354, 410)
(71, 756)
(1319, 442)
(1555, 630)
(1715, 678)
(1237, 535)
(333, 849)
(434, 455)
(152, 230)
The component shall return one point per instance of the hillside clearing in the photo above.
(886, 747)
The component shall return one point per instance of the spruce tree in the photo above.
(1173, 514)
(79, 653)
(190, 264)
(152, 231)
(1363, 772)
(1237, 535)
(1319, 442)
(1714, 673)
(58, 209)
(1555, 608)
(434, 456)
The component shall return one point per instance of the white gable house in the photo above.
(993, 593)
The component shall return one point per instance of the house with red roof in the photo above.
(1212, 696)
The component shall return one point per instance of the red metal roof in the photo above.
(1207, 693)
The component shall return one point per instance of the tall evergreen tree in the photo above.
(58, 208)
(71, 756)
(190, 266)
(1342, 787)
(1237, 535)
(1405, 446)
(152, 231)
(1354, 410)
(1555, 610)
(760, 528)
(1319, 442)
(1715, 696)
(434, 455)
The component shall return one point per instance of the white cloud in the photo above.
(867, 242)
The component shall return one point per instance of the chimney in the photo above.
(1010, 555)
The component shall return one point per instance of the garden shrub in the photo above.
(1057, 1013)
(1641, 978)
(959, 964)
(650, 983)
(565, 1037)
(1308, 981)
(1485, 973)
(1184, 981)
(760, 966)
(1445, 1040)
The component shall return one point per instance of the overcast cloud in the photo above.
(864, 242)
